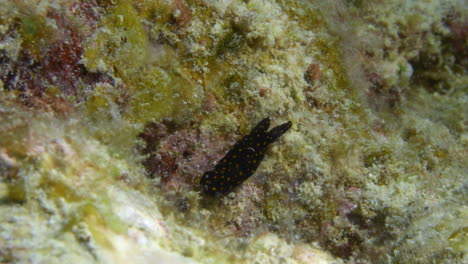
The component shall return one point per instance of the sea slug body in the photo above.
(242, 160)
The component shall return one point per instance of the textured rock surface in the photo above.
(110, 112)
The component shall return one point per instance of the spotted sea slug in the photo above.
(242, 160)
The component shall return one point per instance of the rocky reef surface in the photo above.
(112, 110)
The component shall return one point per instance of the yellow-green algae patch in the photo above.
(157, 88)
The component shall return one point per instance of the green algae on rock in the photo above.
(374, 173)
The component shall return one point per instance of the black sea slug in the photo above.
(242, 160)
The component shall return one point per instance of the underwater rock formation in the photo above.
(111, 111)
